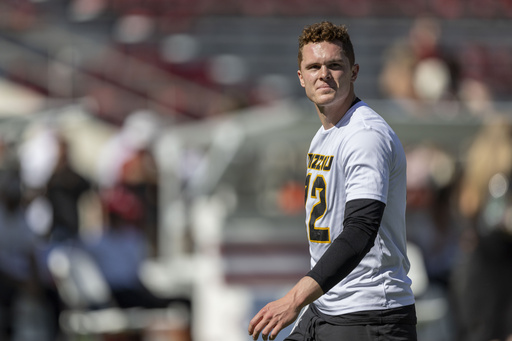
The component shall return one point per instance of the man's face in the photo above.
(326, 74)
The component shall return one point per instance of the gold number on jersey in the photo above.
(318, 189)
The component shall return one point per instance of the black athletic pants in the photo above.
(398, 324)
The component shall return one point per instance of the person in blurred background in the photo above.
(121, 248)
(358, 287)
(18, 272)
(482, 280)
(417, 69)
(431, 220)
(127, 160)
(64, 189)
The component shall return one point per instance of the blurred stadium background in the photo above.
(164, 141)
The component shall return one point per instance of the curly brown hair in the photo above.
(327, 31)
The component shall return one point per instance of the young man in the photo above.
(358, 287)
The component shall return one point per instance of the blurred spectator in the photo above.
(53, 190)
(137, 133)
(431, 223)
(397, 73)
(483, 277)
(476, 97)
(139, 175)
(417, 68)
(485, 298)
(121, 249)
(63, 191)
(490, 153)
(433, 229)
(52, 186)
(18, 275)
(128, 161)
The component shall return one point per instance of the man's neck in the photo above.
(330, 116)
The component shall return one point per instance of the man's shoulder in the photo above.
(367, 119)
(366, 114)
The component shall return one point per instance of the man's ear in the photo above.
(301, 80)
(355, 72)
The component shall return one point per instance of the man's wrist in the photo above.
(306, 291)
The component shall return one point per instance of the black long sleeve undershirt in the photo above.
(360, 228)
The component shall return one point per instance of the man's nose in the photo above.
(325, 73)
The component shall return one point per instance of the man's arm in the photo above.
(276, 315)
(361, 224)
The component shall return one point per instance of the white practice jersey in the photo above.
(360, 158)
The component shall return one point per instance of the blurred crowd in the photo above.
(50, 210)
(459, 205)
(420, 71)
(145, 56)
(459, 216)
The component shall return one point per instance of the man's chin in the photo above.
(324, 100)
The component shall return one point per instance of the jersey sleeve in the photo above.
(367, 155)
